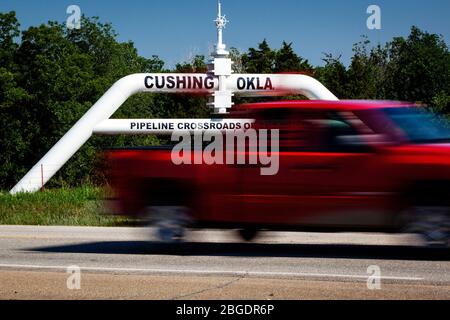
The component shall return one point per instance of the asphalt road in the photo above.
(124, 263)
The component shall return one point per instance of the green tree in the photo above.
(260, 60)
(286, 60)
(9, 30)
(333, 75)
(196, 65)
(419, 69)
(14, 139)
(236, 56)
(366, 74)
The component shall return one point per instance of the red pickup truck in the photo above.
(343, 166)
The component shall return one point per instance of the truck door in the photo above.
(322, 181)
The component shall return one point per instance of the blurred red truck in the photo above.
(343, 166)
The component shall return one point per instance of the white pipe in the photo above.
(278, 84)
(74, 139)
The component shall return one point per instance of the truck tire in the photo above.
(170, 223)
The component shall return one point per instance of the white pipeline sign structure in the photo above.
(219, 83)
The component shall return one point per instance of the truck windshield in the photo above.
(419, 125)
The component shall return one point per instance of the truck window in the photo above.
(311, 130)
(335, 134)
(296, 133)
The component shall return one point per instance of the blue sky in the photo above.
(176, 29)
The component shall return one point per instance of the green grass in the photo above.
(61, 207)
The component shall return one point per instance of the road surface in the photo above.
(124, 263)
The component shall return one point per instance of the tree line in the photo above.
(50, 76)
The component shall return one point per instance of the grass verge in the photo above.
(61, 207)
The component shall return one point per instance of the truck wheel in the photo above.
(248, 234)
(431, 222)
(170, 223)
